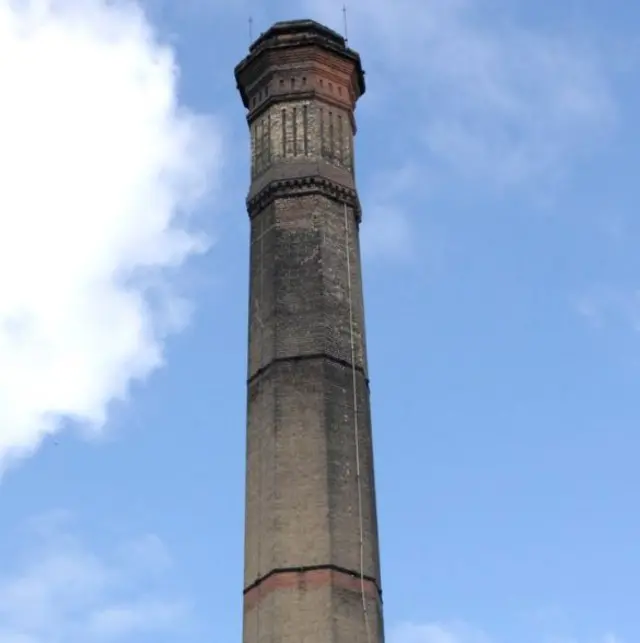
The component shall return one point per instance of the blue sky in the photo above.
(496, 163)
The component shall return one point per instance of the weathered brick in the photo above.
(305, 573)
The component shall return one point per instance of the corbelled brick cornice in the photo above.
(301, 186)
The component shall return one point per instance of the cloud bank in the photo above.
(100, 166)
(68, 593)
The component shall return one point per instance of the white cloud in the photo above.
(386, 233)
(437, 633)
(99, 165)
(611, 638)
(607, 306)
(66, 593)
(499, 102)
(462, 633)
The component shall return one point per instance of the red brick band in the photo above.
(309, 578)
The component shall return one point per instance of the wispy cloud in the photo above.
(463, 633)
(437, 633)
(386, 228)
(386, 233)
(489, 99)
(608, 306)
(100, 165)
(65, 592)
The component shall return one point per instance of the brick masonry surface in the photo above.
(305, 574)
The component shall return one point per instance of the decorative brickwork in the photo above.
(307, 511)
(301, 130)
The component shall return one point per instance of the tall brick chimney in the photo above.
(312, 570)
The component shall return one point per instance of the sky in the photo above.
(496, 155)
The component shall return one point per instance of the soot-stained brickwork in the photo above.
(311, 536)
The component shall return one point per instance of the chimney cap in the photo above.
(295, 29)
(298, 33)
